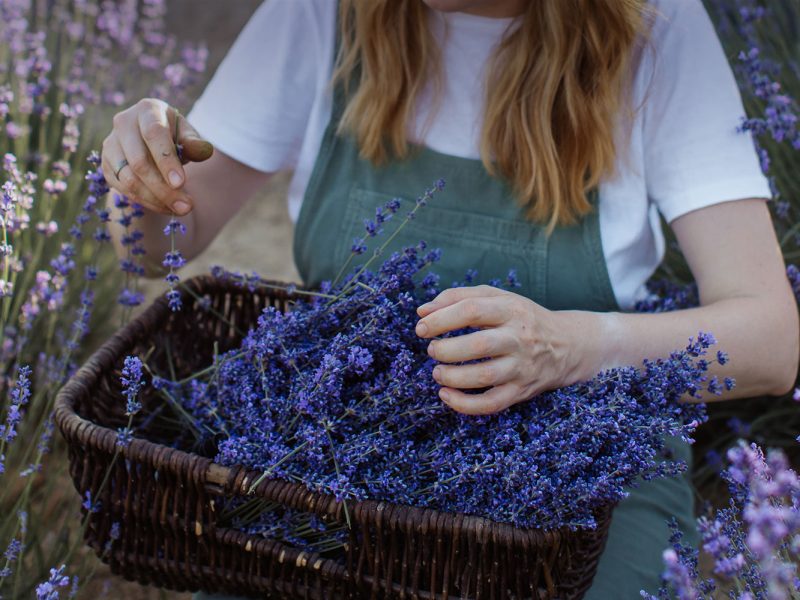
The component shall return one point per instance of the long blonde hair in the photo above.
(555, 89)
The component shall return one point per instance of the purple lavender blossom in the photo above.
(130, 240)
(753, 542)
(20, 395)
(174, 260)
(49, 590)
(124, 437)
(91, 506)
(793, 273)
(14, 549)
(113, 536)
(132, 380)
(677, 574)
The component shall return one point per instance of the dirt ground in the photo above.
(258, 239)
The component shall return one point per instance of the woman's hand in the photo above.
(140, 160)
(527, 346)
(746, 302)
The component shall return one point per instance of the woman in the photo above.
(562, 128)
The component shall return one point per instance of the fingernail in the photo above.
(181, 207)
(175, 179)
(436, 372)
(422, 328)
(444, 395)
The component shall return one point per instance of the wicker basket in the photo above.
(166, 501)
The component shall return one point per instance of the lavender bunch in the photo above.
(338, 394)
(753, 543)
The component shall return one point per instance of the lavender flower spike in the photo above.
(48, 590)
(19, 398)
(132, 380)
(173, 261)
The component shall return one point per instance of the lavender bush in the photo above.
(753, 544)
(67, 66)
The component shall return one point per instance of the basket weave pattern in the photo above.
(167, 501)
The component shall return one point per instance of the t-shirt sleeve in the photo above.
(257, 105)
(694, 154)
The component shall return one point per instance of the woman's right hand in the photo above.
(139, 157)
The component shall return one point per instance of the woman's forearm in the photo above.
(758, 334)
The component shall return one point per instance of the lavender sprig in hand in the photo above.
(174, 260)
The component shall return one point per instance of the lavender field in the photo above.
(68, 65)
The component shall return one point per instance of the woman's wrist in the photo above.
(593, 338)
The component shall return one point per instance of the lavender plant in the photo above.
(753, 544)
(67, 64)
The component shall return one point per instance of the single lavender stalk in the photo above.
(16, 546)
(7, 209)
(20, 395)
(130, 266)
(174, 260)
(373, 229)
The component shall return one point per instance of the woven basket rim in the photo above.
(237, 479)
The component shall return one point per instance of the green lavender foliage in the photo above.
(66, 66)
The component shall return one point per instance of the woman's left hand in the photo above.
(527, 346)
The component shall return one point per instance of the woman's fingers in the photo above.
(120, 176)
(141, 159)
(142, 163)
(489, 373)
(471, 346)
(489, 402)
(452, 295)
(474, 311)
(158, 134)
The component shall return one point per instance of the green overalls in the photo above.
(479, 225)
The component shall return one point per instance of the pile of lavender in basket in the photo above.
(337, 394)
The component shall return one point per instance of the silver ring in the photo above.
(122, 165)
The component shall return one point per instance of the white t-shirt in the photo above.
(270, 101)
